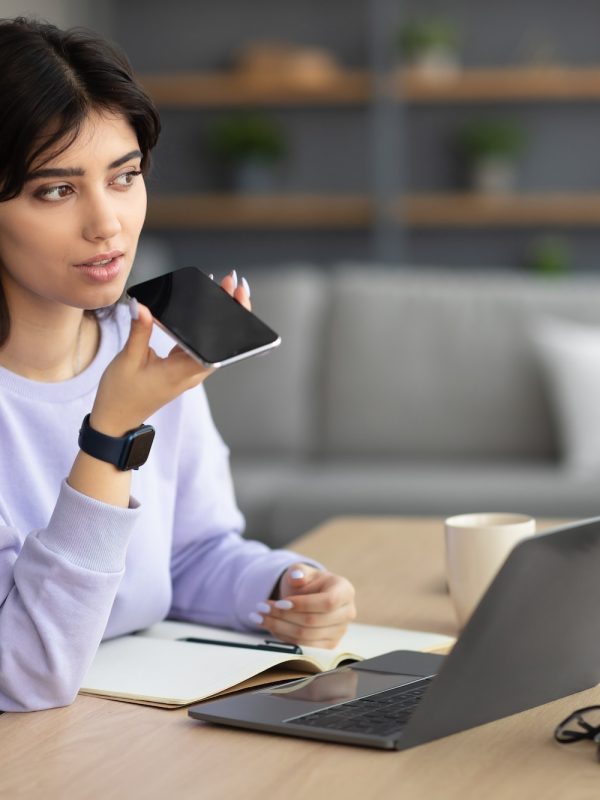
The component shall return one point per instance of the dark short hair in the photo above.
(50, 80)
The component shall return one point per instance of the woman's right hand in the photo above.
(135, 384)
(138, 382)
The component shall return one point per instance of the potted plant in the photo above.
(550, 255)
(430, 45)
(247, 147)
(490, 149)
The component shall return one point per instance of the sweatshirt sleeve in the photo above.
(57, 587)
(218, 576)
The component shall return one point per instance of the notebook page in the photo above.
(145, 668)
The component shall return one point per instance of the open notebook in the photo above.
(155, 668)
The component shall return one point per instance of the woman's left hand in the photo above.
(314, 608)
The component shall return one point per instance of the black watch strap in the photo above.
(125, 452)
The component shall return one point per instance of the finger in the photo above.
(141, 330)
(230, 282)
(242, 294)
(313, 637)
(180, 366)
(307, 637)
(319, 624)
(338, 616)
(298, 578)
(322, 595)
(178, 355)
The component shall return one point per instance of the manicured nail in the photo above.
(256, 618)
(246, 286)
(284, 605)
(233, 274)
(297, 574)
(134, 308)
(211, 276)
(264, 607)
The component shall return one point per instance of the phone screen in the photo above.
(203, 317)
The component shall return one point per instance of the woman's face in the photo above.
(70, 236)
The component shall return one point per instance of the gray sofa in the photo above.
(401, 392)
(397, 392)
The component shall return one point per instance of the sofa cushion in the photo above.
(268, 404)
(440, 365)
(342, 488)
(571, 355)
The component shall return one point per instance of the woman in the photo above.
(89, 549)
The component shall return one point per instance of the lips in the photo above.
(101, 259)
(103, 267)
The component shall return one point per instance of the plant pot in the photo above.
(493, 175)
(436, 62)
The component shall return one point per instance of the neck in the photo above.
(51, 349)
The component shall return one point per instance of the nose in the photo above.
(101, 221)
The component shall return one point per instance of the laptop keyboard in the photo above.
(378, 714)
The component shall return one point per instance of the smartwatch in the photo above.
(125, 452)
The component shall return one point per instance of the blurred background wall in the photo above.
(348, 149)
(63, 13)
(357, 148)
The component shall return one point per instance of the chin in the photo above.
(108, 297)
(98, 305)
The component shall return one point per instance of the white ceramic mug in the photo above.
(476, 547)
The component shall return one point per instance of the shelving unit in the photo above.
(353, 211)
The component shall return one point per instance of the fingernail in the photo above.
(297, 574)
(256, 618)
(235, 278)
(211, 276)
(134, 308)
(264, 607)
(246, 286)
(285, 605)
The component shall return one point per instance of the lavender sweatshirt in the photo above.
(74, 570)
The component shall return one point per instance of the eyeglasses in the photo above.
(581, 724)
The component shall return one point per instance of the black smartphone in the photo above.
(203, 318)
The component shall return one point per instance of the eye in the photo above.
(127, 178)
(53, 193)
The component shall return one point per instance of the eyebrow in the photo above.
(70, 172)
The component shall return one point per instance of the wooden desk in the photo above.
(105, 749)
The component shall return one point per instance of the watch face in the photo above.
(140, 444)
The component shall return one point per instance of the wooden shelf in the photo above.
(215, 211)
(341, 212)
(221, 90)
(352, 87)
(470, 210)
(502, 84)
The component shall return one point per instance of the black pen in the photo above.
(270, 645)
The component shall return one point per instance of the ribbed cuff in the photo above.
(260, 578)
(89, 533)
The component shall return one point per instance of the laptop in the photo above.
(534, 637)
